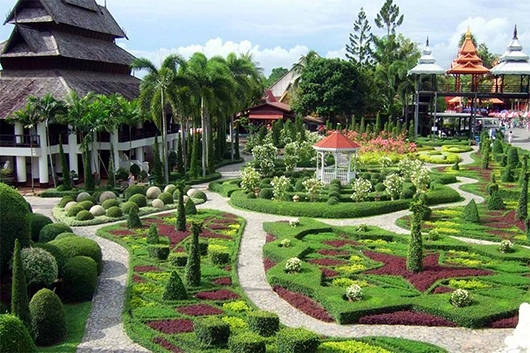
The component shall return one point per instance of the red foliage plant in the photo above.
(405, 317)
(269, 238)
(171, 326)
(329, 272)
(304, 304)
(340, 243)
(268, 264)
(167, 345)
(223, 281)
(222, 294)
(138, 279)
(199, 310)
(328, 262)
(509, 322)
(333, 252)
(122, 232)
(147, 268)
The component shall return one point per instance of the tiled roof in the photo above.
(336, 142)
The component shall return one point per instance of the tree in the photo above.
(522, 207)
(181, 210)
(19, 290)
(299, 68)
(67, 181)
(161, 88)
(359, 50)
(157, 164)
(276, 74)
(193, 265)
(389, 18)
(415, 250)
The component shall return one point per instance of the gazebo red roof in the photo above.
(336, 142)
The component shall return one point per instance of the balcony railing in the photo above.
(19, 140)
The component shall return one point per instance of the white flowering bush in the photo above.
(407, 166)
(313, 186)
(291, 156)
(460, 298)
(354, 292)
(264, 157)
(294, 222)
(393, 185)
(421, 179)
(294, 264)
(279, 187)
(306, 152)
(285, 243)
(506, 246)
(386, 162)
(250, 178)
(361, 187)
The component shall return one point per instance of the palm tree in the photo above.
(160, 88)
(299, 67)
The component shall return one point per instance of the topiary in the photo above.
(332, 201)
(133, 220)
(40, 267)
(497, 147)
(87, 204)
(266, 193)
(175, 289)
(297, 340)
(106, 195)
(193, 265)
(133, 190)
(158, 251)
(60, 260)
(406, 194)
(14, 223)
(74, 210)
(176, 194)
(114, 212)
(50, 231)
(65, 200)
(166, 197)
(212, 331)
(247, 342)
(471, 212)
(19, 290)
(495, 201)
(180, 223)
(38, 221)
(171, 189)
(48, 323)
(190, 208)
(64, 235)
(198, 194)
(110, 203)
(264, 323)
(84, 215)
(79, 246)
(152, 235)
(138, 199)
(96, 195)
(179, 259)
(79, 280)
(153, 192)
(129, 206)
(14, 336)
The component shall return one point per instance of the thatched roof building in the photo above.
(62, 45)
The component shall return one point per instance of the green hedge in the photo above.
(50, 231)
(297, 340)
(212, 331)
(14, 336)
(79, 246)
(225, 188)
(263, 323)
(48, 323)
(79, 280)
(38, 221)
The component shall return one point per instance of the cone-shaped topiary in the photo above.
(492, 185)
(14, 223)
(522, 206)
(513, 158)
(14, 336)
(471, 212)
(495, 201)
(152, 235)
(48, 323)
(181, 210)
(175, 289)
(497, 147)
(486, 154)
(190, 208)
(415, 250)
(19, 290)
(133, 220)
(193, 266)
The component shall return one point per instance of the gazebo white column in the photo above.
(44, 177)
(72, 152)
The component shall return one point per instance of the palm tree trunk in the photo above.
(164, 142)
(50, 155)
(204, 139)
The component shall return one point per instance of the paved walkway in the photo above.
(105, 332)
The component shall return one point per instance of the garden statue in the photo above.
(519, 342)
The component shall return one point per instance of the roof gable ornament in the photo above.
(427, 63)
(514, 61)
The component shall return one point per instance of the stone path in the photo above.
(105, 331)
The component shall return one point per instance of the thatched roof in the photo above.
(85, 14)
(55, 43)
(17, 85)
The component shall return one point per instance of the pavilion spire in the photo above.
(515, 32)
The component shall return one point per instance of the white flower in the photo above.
(460, 298)
(506, 246)
(294, 222)
(285, 243)
(294, 264)
(354, 292)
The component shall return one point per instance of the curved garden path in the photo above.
(105, 331)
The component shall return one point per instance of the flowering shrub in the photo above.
(361, 187)
(393, 185)
(386, 162)
(265, 155)
(420, 178)
(291, 156)
(294, 222)
(313, 187)
(285, 243)
(279, 187)
(409, 166)
(506, 246)
(383, 142)
(294, 264)
(354, 292)
(250, 178)
(460, 298)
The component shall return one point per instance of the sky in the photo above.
(278, 32)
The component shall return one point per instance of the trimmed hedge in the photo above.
(48, 324)
(297, 340)
(79, 246)
(14, 336)
(263, 323)
(50, 231)
(80, 279)
(160, 252)
(38, 221)
(247, 342)
(212, 331)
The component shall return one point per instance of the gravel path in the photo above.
(105, 332)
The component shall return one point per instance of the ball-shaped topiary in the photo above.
(153, 192)
(114, 212)
(65, 235)
(79, 246)
(266, 193)
(109, 203)
(133, 190)
(170, 188)
(69, 205)
(176, 194)
(48, 323)
(14, 223)
(198, 194)
(166, 197)
(138, 199)
(38, 221)
(84, 216)
(50, 231)
(175, 289)
(40, 267)
(97, 210)
(129, 207)
(74, 210)
(157, 203)
(79, 280)
(106, 195)
(65, 200)
(87, 204)
(83, 196)
(60, 260)
(14, 336)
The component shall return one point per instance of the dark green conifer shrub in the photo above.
(158, 251)
(513, 158)
(152, 235)
(180, 259)
(495, 201)
(80, 279)
(133, 220)
(175, 289)
(193, 266)
(19, 291)
(48, 323)
(415, 250)
(14, 336)
(264, 323)
(486, 154)
(190, 208)
(522, 206)
(497, 147)
(181, 210)
(471, 212)
(212, 331)
(38, 221)
(297, 340)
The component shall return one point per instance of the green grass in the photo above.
(76, 318)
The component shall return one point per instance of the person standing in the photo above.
(510, 136)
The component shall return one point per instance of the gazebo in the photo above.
(339, 146)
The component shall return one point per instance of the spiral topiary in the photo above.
(48, 323)
(40, 267)
(114, 212)
(175, 289)
(138, 199)
(14, 336)
(109, 203)
(79, 280)
(14, 223)
(50, 231)
(79, 246)
(38, 221)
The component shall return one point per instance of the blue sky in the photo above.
(278, 32)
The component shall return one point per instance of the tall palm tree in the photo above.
(159, 89)
(299, 67)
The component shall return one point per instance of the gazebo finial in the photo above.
(515, 32)
(427, 42)
(468, 32)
